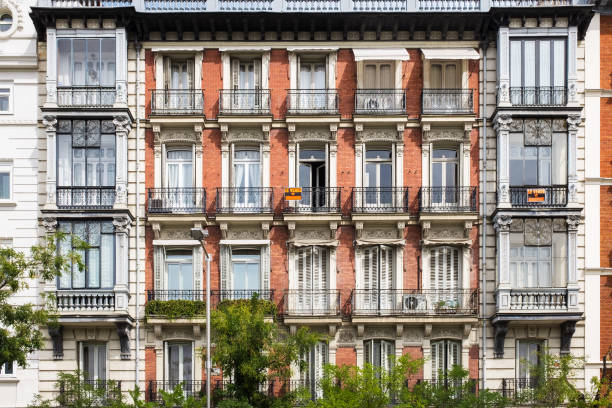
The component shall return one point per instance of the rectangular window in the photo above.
(379, 353)
(179, 269)
(445, 354)
(247, 177)
(86, 62)
(179, 363)
(99, 258)
(5, 182)
(311, 375)
(378, 75)
(5, 99)
(378, 177)
(377, 280)
(246, 270)
(312, 176)
(93, 361)
(541, 165)
(528, 362)
(444, 75)
(312, 267)
(7, 368)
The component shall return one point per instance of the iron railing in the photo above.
(85, 300)
(175, 294)
(233, 200)
(380, 101)
(538, 196)
(538, 299)
(536, 3)
(530, 391)
(298, 302)
(86, 96)
(448, 5)
(456, 387)
(192, 388)
(447, 199)
(244, 101)
(240, 294)
(312, 101)
(85, 3)
(85, 197)
(177, 102)
(447, 101)
(176, 200)
(414, 302)
(380, 199)
(538, 96)
(315, 200)
(100, 393)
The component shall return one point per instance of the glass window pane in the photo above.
(559, 154)
(173, 362)
(531, 166)
(64, 57)
(187, 276)
(378, 154)
(385, 175)
(529, 67)
(4, 103)
(386, 79)
(560, 61)
(436, 175)
(444, 154)
(516, 79)
(107, 160)
(305, 175)
(93, 62)
(370, 76)
(93, 267)
(450, 76)
(435, 77)
(93, 158)
(108, 62)
(545, 69)
(5, 186)
(305, 76)
(187, 362)
(312, 154)
(319, 77)
(544, 170)
(79, 62)
(107, 261)
(370, 177)
(559, 248)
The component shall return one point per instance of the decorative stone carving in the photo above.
(572, 192)
(123, 331)
(559, 225)
(244, 135)
(567, 331)
(379, 233)
(50, 123)
(175, 234)
(57, 338)
(412, 334)
(502, 122)
(573, 221)
(446, 332)
(516, 125)
(504, 91)
(121, 92)
(443, 134)
(378, 134)
(559, 125)
(573, 122)
(312, 135)
(122, 124)
(374, 332)
(504, 192)
(346, 336)
(500, 329)
(312, 234)
(502, 223)
(517, 225)
(446, 233)
(50, 224)
(538, 232)
(538, 132)
(244, 234)
(176, 136)
(122, 224)
(17, 13)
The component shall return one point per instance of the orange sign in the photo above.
(294, 194)
(536, 195)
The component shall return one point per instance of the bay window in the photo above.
(86, 62)
(445, 354)
(99, 257)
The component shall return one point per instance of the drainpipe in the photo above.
(483, 244)
(137, 314)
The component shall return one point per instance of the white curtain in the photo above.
(107, 249)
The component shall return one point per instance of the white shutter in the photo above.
(265, 267)
(387, 350)
(367, 351)
(167, 73)
(197, 269)
(257, 73)
(437, 358)
(386, 277)
(235, 73)
(159, 260)
(226, 272)
(321, 359)
(190, 73)
(454, 354)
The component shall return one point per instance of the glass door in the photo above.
(378, 178)
(179, 365)
(246, 269)
(312, 178)
(179, 179)
(444, 177)
(312, 86)
(179, 266)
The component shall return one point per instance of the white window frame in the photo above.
(378, 64)
(183, 260)
(316, 358)
(3, 369)
(10, 93)
(96, 345)
(251, 260)
(7, 167)
(445, 345)
(181, 362)
(541, 343)
(368, 357)
(444, 80)
(167, 162)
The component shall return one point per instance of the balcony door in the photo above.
(377, 280)
(179, 365)
(246, 84)
(247, 178)
(312, 265)
(312, 177)
(179, 178)
(379, 353)
(445, 278)
(445, 354)
(316, 359)
(444, 177)
(528, 363)
(246, 273)
(179, 267)
(179, 81)
(93, 361)
(378, 180)
(379, 80)
(312, 85)
(444, 75)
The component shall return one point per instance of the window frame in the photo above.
(7, 167)
(8, 24)
(180, 162)
(542, 346)
(4, 368)
(536, 63)
(71, 81)
(382, 344)
(181, 343)
(97, 345)
(378, 79)
(9, 93)
(443, 82)
(446, 344)
(183, 260)
(248, 261)
(553, 160)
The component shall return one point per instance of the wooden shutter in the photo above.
(197, 268)
(387, 350)
(321, 359)
(320, 276)
(159, 255)
(167, 73)
(386, 268)
(265, 267)
(226, 267)
(454, 354)
(437, 358)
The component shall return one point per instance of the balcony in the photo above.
(447, 101)
(312, 102)
(176, 201)
(414, 302)
(240, 200)
(538, 196)
(311, 303)
(244, 101)
(380, 199)
(85, 300)
(539, 299)
(175, 294)
(319, 200)
(446, 5)
(380, 102)
(241, 294)
(175, 5)
(83, 198)
(86, 96)
(537, 3)
(177, 102)
(538, 96)
(195, 389)
(99, 393)
(85, 3)
(447, 199)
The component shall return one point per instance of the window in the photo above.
(379, 353)
(537, 71)
(247, 177)
(378, 75)
(99, 258)
(179, 267)
(444, 75)
(93, 361)
(246, 272)
(445, 354)
(5, 182)
(528, 362)
(7, 368)
(312, 176)
(179, 167)
(538, 165)
(6, 22)
(378, 177)
(179, 73)
(315, 361)
(5, 99)
(179, 364)
(86, 62)
(312, 267)
(444, 176)
(377, 280)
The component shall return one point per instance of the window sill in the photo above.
(8, 203)
(8, 379)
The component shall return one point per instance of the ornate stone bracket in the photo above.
(501, 223)
(573, 221)
(501, 329)
(122, 224)
(50, 224)
(123, 331)
(567, 331)
(379, 134)
(317, 134)
(57, 338)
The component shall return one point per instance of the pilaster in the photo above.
(50, 123)
(502, 128)
(122, 130)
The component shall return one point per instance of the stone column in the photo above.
(50, 123)
(121, 67)
(122, 130)
(502, 128)
(502, 226)
(573, 221)
(573, 123)
(503, 55)
(122, 290)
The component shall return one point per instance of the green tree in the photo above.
(20, 332)
(252, 349)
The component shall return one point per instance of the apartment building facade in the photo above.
(440, 182)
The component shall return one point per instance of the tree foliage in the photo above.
(20, 324)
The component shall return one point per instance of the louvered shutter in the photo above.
(257, 73)
(387, 350)
(167, 73)
(235, 73)
(190, 73)
(226, 269)
(320, 278)
(437, 358)
(386, 277)
(159, 254)
(304, 277)
(321, 359)
(454, 354)
(370, 278)
(265, 267)
(197, 271)
(367, 352)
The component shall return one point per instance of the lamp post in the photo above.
(200, 235)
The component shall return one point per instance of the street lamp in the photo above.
(200, 234)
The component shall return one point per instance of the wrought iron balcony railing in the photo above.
(175, 294)
(538, 299)
(417, 302)
(235, 200)
(176, 200)
(380, 101)
(538, 96)
(176, 102)
(85, 197)
(447, 199)
(537, 3)
(299, 302)
(538, 196)
(312, 102)
(100, 393)
(525, 391)
(447, 101)
(85, 300)
(86, 96)
(175, 5)
(191, 388)
(244, 102)
(380, 199)
(448, 5)
(315, 200)
(240, 294)
(85, 3)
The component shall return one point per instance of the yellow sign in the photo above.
(536, 195)
(293, 193)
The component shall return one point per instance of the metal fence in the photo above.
(176, 200)
(315, 200)
(447, 101)
(380, 101)
(312, 101)
(244, 101)
(244, 200)
(177, 102)
(447, 199)
(85, 197)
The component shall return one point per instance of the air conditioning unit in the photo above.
(414, 302)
